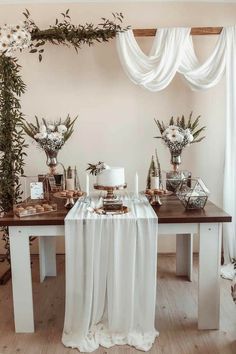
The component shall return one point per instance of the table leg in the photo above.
(184, 255)
(47, 257)
(209, 276)
(21, 280)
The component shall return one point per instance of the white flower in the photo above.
(42, 128)
(189, 135)
(175, 136)
(62, 129)
(4, 44)
(171, 130)
(51, 127)
(58, 136)
(51, 136)
(55, 136)
(16, 37)
(22, 39)
(40, 136)
(179, 137)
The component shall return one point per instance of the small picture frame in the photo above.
(36, 190)
(32, 188)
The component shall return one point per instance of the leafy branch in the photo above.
(66, 33)
(12, 143)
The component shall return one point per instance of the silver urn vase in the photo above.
(51, 161)
(174, 177)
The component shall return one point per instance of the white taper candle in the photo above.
(136, 184)
(70, 183)
(87, 184)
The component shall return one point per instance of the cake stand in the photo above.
(154, 195)
(110, 190)
(70, 200)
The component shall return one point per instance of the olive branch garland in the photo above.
(66, 33)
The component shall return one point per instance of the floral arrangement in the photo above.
(180, 133)
(95, 169)
(13, 38)
(50, 136)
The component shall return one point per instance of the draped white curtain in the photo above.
(172, 51)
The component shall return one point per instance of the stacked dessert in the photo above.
(71, 194)
(26, 210)
(109, 179)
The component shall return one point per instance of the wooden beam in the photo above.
(195, 31)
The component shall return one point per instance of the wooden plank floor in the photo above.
(176, 317)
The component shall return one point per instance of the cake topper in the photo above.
(97, 169)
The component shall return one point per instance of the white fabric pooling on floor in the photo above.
(111, 277)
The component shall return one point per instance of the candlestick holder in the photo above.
(154, 195)
(69, 196)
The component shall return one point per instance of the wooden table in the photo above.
(172, 219)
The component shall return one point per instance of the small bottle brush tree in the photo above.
(154, 170)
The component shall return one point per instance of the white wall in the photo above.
(115, 116)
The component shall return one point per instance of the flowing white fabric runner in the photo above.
(173, 52)
(111, 277)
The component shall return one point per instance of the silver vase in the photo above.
(51, 160)
(174, 177)
(175, 160)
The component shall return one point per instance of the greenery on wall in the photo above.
(66, 33)
(12, 143)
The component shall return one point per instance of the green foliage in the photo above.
(66, 33)
(158, 168)
(190, 123)
(152, 172)
(95, 169)
(12, 141)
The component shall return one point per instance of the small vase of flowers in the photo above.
(177, 135)
(51, 137)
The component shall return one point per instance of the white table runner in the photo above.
(110, 277)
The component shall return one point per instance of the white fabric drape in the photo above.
(173, 52)
(230, 148)
(110, 277)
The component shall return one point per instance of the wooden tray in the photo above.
(123, 210)
(31, 211)
(58, 195)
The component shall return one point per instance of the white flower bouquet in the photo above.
(13, 38)
(180, 133)
(50, 136)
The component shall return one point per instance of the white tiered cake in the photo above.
(111, 177)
